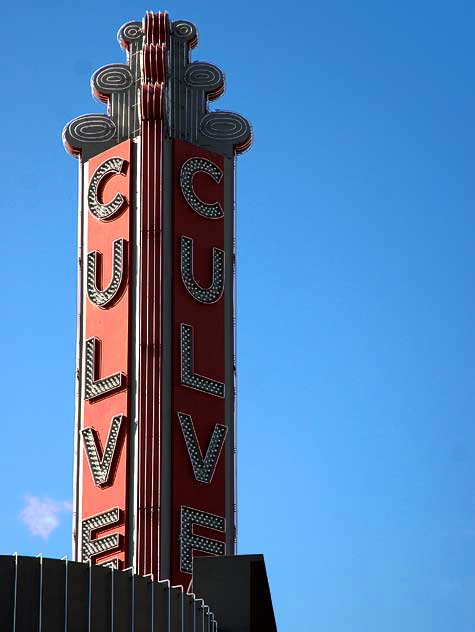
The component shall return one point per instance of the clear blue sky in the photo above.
(356, 305)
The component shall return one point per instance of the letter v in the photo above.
(203, 468)
(101, 466)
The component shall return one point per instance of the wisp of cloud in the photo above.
(41, 515)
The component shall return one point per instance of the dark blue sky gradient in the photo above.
(356, 294)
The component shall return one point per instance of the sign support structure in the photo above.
(154, 479)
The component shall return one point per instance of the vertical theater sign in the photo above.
(155, 399)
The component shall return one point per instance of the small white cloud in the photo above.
(41, 515)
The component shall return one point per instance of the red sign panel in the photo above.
(104, 423)
(199, 390)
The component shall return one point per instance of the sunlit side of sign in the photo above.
(104, 419)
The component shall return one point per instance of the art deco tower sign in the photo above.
(154, 442)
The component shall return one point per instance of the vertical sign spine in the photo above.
(151, 279)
